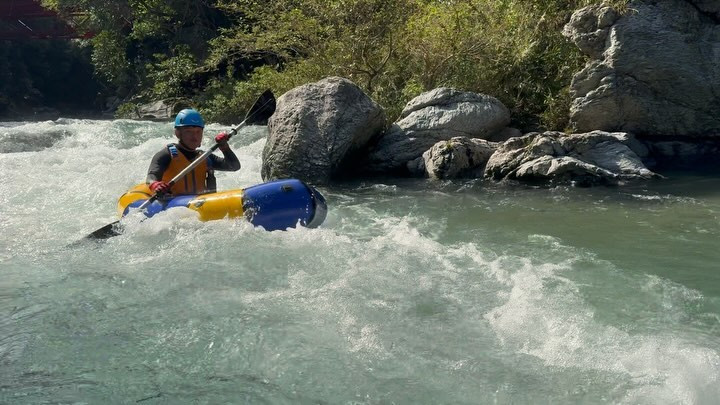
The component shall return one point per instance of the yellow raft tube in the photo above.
(278, 204)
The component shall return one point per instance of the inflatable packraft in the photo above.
(274, 205)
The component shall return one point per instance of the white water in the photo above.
(411, 292)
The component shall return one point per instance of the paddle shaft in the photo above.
(264, 104)
(261, 105)
(189, 168)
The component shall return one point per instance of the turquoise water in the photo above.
(412, 292)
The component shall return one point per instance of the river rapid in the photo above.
(412, 291)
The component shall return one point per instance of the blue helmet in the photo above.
(189, 118)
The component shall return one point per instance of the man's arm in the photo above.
(229, 162)
(158, 165)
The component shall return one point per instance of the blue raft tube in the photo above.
(275, 205)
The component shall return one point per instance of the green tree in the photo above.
(305, 40)
(221, 53)
(26, 82)
(395, 49)
(135, 39)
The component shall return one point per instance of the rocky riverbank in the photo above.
(331, 130)
(646, 101)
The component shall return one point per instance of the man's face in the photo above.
(190, 137)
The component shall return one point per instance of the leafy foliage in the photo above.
(139, 43)
(396, 49)
(168, 74)
(222, 53)
(310, 39)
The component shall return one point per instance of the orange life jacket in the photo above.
(195, 182)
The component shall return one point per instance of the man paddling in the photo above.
(173, 158)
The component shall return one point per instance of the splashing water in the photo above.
(411, 292)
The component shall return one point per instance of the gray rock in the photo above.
(582, 159)
(157, 110)
(654, 70)
(564, 169)
(458, 157)
(317, 129)
(589, 28)
(434, 116)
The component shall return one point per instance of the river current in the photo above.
(412, 291)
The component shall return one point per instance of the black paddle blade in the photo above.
(262, 110)
(107, 231)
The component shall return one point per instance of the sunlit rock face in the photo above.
(318, 128)
(458, 157)
(158, 110)
(435, 116)
(594, 158)
(654, 69)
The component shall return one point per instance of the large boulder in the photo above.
(458, 157)
(318, 129)
(580, 159)
(654, 69)
(432, 117)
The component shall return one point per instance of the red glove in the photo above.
(160, 187)
(222, 139)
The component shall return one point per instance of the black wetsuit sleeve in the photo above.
(158, 165)
(228, 163)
